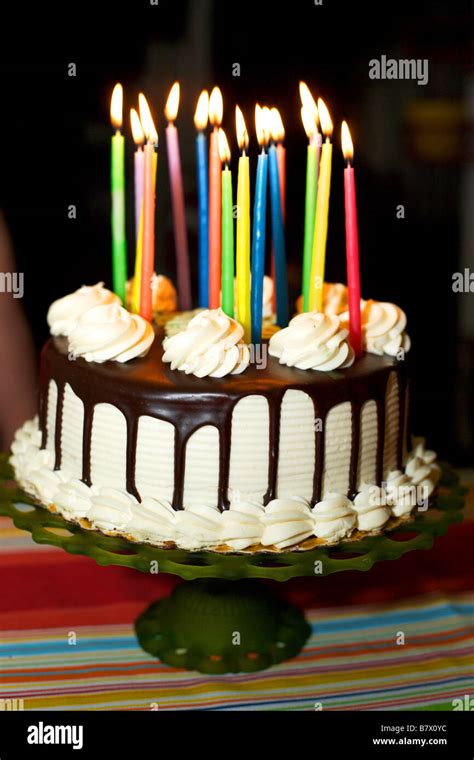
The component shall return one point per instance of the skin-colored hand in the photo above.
(18, 400)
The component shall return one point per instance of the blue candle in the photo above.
(258, 245)
(278, 237)
(201, 117)
(203, 203)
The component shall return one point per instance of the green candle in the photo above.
(117, 179)
(312, 171)
(227, 282)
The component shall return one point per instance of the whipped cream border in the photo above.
(283, 523)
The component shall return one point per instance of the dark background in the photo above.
(413, 147)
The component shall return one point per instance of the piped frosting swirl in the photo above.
(65, 313)
(383, 328)
(210, 346)
(313, 340)
(110, 332)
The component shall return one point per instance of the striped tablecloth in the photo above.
(67, 640)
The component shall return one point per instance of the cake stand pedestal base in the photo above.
(214, 626)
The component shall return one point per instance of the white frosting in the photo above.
(383, 328)
(111, 509)
(283, 523)
(422, 469)
(64, 314)
(198, 526)
(74, 498)
(287, 522)
(401, 493)
(153, 520)
(210, 346)
(242, 524)
(313, 340)
(371, 507)
(110, 332)
(334, 518)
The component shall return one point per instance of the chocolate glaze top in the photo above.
(148, 386)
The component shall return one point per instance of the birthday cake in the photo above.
(187, 440)
(177, 430)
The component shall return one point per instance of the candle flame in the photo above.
(308, 102)
(346, 139)
(224, 150)
(172, 104)
(147, 120)
(137, 129)
(325, 119)
(116, 106)
(277, 130)
(262, 124)
(216, 107)
(308, 123)
(241, 129)
(201, 115)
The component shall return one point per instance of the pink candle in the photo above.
(177, 200)
(215, 189)
(281, 158)
(352, 243)
(138, 164)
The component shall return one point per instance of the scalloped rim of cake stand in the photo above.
(49, 528)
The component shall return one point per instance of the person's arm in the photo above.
(17, 357)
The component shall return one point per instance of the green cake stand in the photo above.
(210, 624)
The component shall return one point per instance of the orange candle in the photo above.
(215, 189)
(148, 244)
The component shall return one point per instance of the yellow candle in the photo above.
(243, 228)
(322, 212)
(137, 278)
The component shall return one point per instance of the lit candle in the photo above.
(215, 117)
(138, 138)
(279, 136)
(243, 227)
(352, 242)
(177, 200)
(200, 122)
(259, 224)
(322, 212)
(278, 233)
(148, 245)
(309, 117)
(117, 181)
(227, 284)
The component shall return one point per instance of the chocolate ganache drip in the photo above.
(146, 386)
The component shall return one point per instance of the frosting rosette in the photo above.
(242, 524)
(110, 333)
(422, 469)
(65, 313)
(383, 328)
(153, 520)
(371, 507)
(211, 345)
(334, 517)
(401, 493)
(287, 521)
(313, 340)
